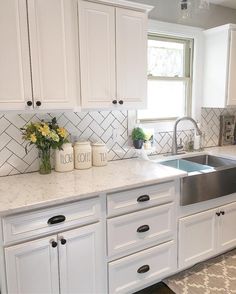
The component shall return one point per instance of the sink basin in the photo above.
(186, 165)
(208, 177)
(209, 160)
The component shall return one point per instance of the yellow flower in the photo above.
(45, 131)
(33, 138)
(62, 132)
(37, 125)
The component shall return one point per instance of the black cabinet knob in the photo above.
(222, 212)
(121, 102)
(143, 229)
(114, 101)
(143, 269)
(29, 103)
(38, 103)
(218, 213)
(63, 241)
(143, 198)
(54, 244)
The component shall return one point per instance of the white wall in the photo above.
(168, 11)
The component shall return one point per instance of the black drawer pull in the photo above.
(222, 212)
(143, 229)
(218, 213)
(143, 269)
(143, 198)
(56, 219)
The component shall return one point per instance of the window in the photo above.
(169, 78)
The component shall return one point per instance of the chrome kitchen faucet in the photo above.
(174, 150)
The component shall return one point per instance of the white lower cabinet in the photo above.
(197, 237)
(71, 261)
(81, 261)
(227, 231)
(142, 247)
(147, 227)
(141, 269)
(206, 234)
(32, 267)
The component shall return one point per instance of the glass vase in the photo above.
(44, 161)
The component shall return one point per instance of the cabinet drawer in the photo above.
(136, 199)
(30, 224)
(141, 269)
(139, 229)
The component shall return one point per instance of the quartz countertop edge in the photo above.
(25, 192)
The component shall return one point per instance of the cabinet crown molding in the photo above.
(126, 4)
(225, 27)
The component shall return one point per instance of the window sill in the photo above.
(160, 126)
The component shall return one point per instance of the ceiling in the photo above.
(226, 3)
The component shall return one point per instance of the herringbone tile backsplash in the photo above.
(210, 123)
(111, 127)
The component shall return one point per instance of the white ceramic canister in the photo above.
(64, 159)
(99, 154)
(83, 155)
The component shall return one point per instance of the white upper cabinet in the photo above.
(219, 89)
(232, 69)
(52, 45)
(113, 55)
(131, 57)
(44, 46)
(97, 54)
(15, 80)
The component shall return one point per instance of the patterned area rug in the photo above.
(214, 276)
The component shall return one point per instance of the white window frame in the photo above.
(186, 32)
(188, 60)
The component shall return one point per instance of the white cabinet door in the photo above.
(197, 237)
(227, 231)
(15, 80)
(97, 54)
(232, 70)
(131, 54)
(53, 47)
(32, 267)
(81, 261)
(219, 88)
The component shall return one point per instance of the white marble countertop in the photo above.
(226, 151)
(30, 191)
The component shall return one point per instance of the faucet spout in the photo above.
(174, 142)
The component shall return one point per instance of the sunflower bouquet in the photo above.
(46, 136)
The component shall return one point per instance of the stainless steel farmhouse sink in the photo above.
(208, 177)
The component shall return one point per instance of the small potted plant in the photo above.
(138, 137)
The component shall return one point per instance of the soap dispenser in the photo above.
(197, 140)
